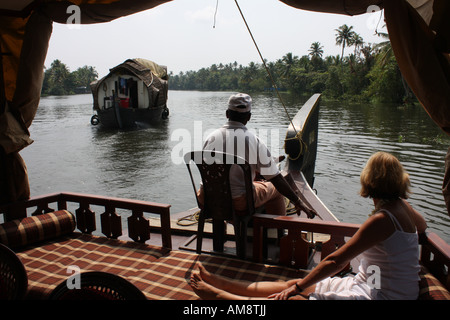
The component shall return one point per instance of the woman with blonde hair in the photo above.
(387, 242)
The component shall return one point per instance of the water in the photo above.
(69, 154)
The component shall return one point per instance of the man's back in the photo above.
(236, 139)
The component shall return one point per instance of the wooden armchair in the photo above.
(13, 276)
(214, 168)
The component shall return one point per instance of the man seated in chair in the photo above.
(235, 138)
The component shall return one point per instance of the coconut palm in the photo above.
(344, 37)
(358, 42)
(384, 48)
(316, 50)
(289, 61)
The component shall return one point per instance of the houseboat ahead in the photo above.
(133, 94)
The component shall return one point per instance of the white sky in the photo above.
(180, 35)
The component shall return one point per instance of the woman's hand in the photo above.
(285, 294)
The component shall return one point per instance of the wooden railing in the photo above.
(110, 221)
(435, 256)
(294, 248)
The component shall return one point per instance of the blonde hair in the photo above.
(384, 178)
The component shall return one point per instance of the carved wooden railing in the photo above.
(111, 222)
(435, 256)
(294, 248)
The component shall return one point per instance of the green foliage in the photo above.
(58, 80)
(386, 82)
(364, 78)
(368, 73)
(344, 37)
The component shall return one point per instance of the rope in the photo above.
(265, 66)
(215, 13)
(192, 218)
(303, 145)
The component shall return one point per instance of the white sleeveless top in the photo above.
(391, 268)
(388, 270)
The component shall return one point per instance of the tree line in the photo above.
(58, 80)
(369, 73)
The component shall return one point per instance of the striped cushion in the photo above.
(22, 232)
(431, 288)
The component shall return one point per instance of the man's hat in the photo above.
(240, 102)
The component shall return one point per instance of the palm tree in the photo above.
(289, 61)
(333, 60)
(84, 76)
(358, 42)
(384, 48)
(344, 37)
(59, 78)
(316, 50)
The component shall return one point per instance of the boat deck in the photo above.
(160, 264)
(159, 273)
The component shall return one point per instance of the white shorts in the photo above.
(340, 289)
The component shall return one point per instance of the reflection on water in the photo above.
(69, 154)
(348, 137)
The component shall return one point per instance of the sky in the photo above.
(187, 35)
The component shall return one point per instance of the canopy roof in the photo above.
(419, 32)
(150, 73)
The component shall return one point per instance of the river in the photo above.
(69, 154)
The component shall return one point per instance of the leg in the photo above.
(208, 292)
(268, 196)
(265, 195)
(209, 285)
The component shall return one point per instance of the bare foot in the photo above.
(209, 286)
(212, 279)
(203, 289)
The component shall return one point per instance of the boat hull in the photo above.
(124, 118)
(133, 94)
